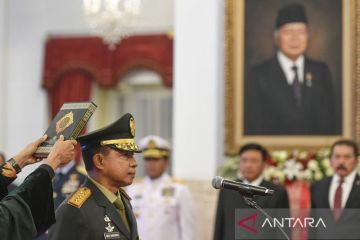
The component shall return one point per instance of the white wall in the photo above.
(198, 89)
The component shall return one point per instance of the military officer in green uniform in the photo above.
(29, 209)
(100, 209)
(66, 181)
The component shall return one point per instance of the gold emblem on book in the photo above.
(64, 122)
(132, 126)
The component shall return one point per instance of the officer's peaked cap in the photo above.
(154, 147)
(118, 135)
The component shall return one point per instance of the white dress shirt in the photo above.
(163, 209)
(256, 182)
(346, 188)
(287, 64)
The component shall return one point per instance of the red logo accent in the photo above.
(252, 217)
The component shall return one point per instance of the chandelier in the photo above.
(111, 19)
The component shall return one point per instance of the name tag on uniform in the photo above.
(112, 235)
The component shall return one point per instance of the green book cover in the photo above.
(69, 121)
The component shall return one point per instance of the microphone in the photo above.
(242, 188)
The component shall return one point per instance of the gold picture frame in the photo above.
(234, 83)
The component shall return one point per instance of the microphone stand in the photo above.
(251, 203)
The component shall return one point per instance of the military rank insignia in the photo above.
(79, 197)
(110, 234)
(168, 192)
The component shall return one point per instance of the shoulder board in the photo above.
(81, 169)
(122, 192)
(178, 180)
(79, 197)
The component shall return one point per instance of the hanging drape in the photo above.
(71, 65)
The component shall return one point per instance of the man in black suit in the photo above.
(251, 166)
(337, 198)
(100, 209)
(290, 94)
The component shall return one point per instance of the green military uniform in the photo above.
(93, 212)
(94, 217)
(29, 209)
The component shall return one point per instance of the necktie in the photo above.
(121, 209)
(337, 200)
(296, 86)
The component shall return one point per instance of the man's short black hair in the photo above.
(256, 147)
(346, 142)
(88, 154)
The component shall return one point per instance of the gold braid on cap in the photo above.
(155, 153)
(152, 151)
(122, 144)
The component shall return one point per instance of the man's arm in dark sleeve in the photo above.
(16, 220)
(36, 191)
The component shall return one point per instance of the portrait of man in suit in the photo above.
(290, 93)
(338, 196)
(251, 165)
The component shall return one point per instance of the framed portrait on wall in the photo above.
(290, 77)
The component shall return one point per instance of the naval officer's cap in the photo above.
(118, 135)
(154, 147)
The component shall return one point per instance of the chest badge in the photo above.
(109, 228)
(168, 192)
(308, 78)
(107, 219)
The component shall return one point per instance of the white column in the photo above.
(198, 88)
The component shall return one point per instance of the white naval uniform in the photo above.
(163, 209)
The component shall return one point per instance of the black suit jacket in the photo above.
(347, 226)
(270, 104)
(89, 222)
(231, 200)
